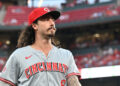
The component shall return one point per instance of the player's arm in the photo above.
(4, 84)
(73, 81)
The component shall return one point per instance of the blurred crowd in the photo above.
(97, 52)
(104, 58)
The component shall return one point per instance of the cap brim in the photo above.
(54, 14)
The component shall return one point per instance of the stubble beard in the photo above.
(51, 35)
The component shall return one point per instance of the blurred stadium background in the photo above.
(89, 28)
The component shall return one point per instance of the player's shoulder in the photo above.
(21, 50)
(63, 50)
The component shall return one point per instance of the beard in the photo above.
(51, 35)
(52, 31)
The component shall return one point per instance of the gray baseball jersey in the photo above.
(30, 67)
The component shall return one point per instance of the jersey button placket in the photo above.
(45, 61)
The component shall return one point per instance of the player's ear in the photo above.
(35, 26)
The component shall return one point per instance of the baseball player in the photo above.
(37, 61)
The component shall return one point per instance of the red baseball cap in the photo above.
(38, 12)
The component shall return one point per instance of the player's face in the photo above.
(46, 26)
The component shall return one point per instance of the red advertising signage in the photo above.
(89, 13)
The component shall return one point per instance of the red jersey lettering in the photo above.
(34, 69)
(49, 66)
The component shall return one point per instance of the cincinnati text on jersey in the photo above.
(45, 66)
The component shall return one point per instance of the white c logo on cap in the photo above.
(46, 9)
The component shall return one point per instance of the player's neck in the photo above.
(43, 44)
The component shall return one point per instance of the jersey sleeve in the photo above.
(72, 68)
(10, 71)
